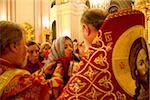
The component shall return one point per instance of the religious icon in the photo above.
(138, 62)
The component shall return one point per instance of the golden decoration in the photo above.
(90, 73)
(109, 46)
(76, 69)
(96, 40)
(93, 94)
(104, 82)
(120, 96)
(89, 52)
(47, 35)
(108, 36)
(29, 30)
(76, 85)
(100, 60)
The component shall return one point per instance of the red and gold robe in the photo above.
(20, 84)
(99, 76)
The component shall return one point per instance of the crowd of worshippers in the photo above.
(54, 62)
(38, 55)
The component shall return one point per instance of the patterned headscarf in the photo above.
(57, 49)
(57, 54)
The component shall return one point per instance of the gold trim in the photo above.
(6, 77)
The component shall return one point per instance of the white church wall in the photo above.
(68, 19)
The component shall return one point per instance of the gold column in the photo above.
(144, 6)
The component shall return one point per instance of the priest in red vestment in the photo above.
(15, 82)
(104, 72)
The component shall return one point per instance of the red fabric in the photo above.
(33, 67)
(66, 62)
(122, 22)
(46, 54)
(94, 78)
(24, 86)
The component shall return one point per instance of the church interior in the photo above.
(45, 20)
(48, 19)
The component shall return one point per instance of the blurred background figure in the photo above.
(44, 51)
(75, 46)
(82, 49)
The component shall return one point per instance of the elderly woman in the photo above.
(44, 51)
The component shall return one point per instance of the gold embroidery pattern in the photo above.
(122, 13)
(120, 96)
(100, 60)
(104, 82)
(77, 68)
(93, 94)
(109, 46)
(66, 95)
(96, 40)
(90, 73)
(14, 87)
(89, 52)
(76, 85)
(95, 75)
(5, 79)
(108, 36)
(33, 92)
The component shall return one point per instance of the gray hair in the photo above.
(95, 17)
(117, 5)
(9, 33)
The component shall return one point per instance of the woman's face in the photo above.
(33, 54)
(142, 63)
(68, 48)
